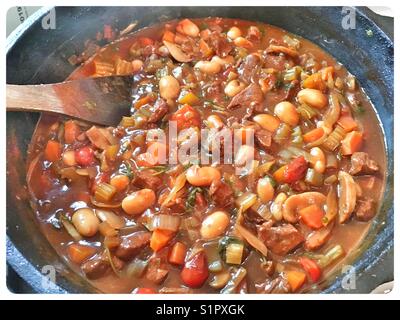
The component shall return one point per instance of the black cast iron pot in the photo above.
(36, 55)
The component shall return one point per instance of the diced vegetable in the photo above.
(313, 135)
(84, 156)
(296, 279)
(347, 196)
(52, 152)
(245, 201)
(314, 178)
(189, 98)
(106, 230)
(315, 81)
(282, 133)
(220, 280)
(234, 253)
(78, 253)
(177, 254)
(186, 117)
(104, 192)
(312, 216)
(71, 131)
(166, 222)
(179, 184)
(311, 267)
(70, 228)
(347, 123)
(160, 238)
(331, 206)
(351, 143)
(307, 112)
(333, 254)
(127, 122)
(334, 139)
(195, 271)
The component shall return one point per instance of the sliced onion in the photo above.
(176, 52)
(245, 201)
(104, 205)
(70, 229)
(333, 113)
(166, 222)
(252, 240)
(114, 221)
(179, 184)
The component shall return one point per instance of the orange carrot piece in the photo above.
(177, 254)
(347, 123)
(160, 238)
(313, 135)
(315, 81)
(312, 216)
(53, 151)
(326, 73)
(351, 143)
(120, 182)
(279, 175)
(71, 131)
(169, 36)
(296, 279)
(78, 253)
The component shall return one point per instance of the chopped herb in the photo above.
(126, 170)
(191, 199)
(158, 169)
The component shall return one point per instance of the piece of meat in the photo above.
(221, 193)
(250, 94)
(159, 110)
(281, 239)
(220, 44)
(146, 179)
(277, 285)
(365, 209)
(318, 238)
(132, 244)
(362, 164)
(263, 138)
(250, 67)
(156, 271)
(99, 265)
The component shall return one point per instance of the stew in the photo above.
(285, 211)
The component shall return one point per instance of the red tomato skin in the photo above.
(186, 117)
(195, 271)
(311, 267)
(84, 156)
(296, 170)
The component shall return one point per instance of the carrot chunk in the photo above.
(78, 253)
(296, 279)
(347, 123)
(160, 238)
(53, 151)
(351, 143)
(177, 254)
(313, 135)
(312, 216)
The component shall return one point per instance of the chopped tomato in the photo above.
(295, 170)
(186, 117)
(311, 267)
(84, 156)
(195, 271)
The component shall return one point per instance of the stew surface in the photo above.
(296, 199)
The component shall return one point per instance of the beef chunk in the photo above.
(159, 110)
(249, 95)
(220, 44)
(131, 245)
(277, 285)
(263, 138)
(221, 193)
(146, 179)
(281, 239)
(156, 271)
(99, 265)
(362, 164)
(365, 209)
(249, 67)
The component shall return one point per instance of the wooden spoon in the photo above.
(102, 100)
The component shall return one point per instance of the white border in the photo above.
(4, 292)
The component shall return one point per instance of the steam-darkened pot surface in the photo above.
(40, 56)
